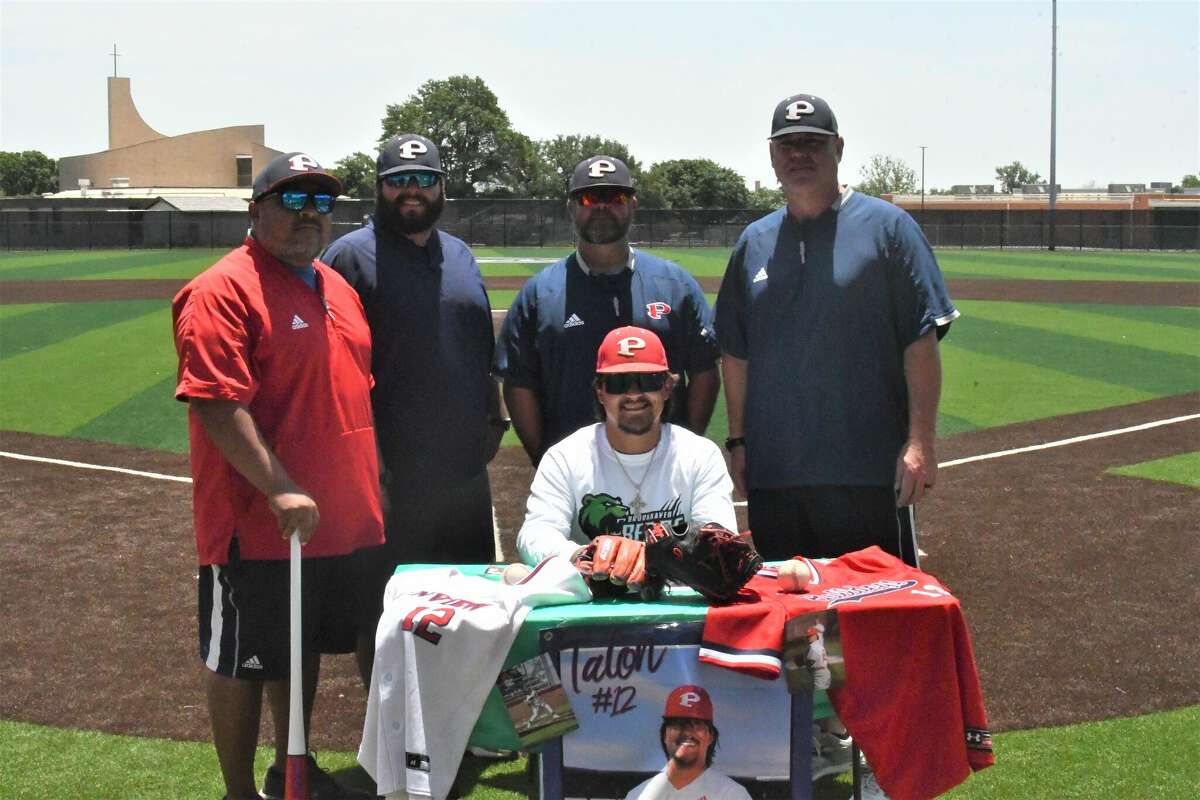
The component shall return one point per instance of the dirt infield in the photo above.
(1079, 587)
(1116, 292)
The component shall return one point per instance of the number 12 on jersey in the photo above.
(420, 618)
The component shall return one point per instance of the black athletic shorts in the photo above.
(244, 614)
(829, 521)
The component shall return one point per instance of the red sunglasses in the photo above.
(602, 196)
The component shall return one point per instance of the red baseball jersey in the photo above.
(912, 698)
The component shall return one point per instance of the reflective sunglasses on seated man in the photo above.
(296, 201)
(401, 180)
(602, 196)
(623, 382)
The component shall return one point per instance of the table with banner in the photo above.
(618, 659)
(587, 684)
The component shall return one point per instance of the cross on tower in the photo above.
(114, 54)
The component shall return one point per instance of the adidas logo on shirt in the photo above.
(252, 662)
(761, 275)
(573, 321)
(297, 323)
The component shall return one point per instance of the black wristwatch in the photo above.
(500, 422)
(735, 441)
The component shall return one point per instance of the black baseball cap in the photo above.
(408, 152)
(803, 113)
(293, 167)
(600, 171)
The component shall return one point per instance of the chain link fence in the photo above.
(544, 223)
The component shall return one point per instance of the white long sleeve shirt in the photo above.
(584, 488)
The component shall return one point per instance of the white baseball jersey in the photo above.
(584, 488)
(711, 785)
(440, 644)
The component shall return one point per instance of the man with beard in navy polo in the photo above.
(436, 404)
(546, 349)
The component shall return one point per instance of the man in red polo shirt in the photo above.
(274, 363)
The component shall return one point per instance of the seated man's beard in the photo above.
(389, 215)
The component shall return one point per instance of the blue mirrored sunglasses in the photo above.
(400, 180)
(295, 201)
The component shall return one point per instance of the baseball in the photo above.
(515, 573)
(793, 576)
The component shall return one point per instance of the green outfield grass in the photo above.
(1183, 469)
(1069, 265)
(106, 371)
(1154, 756)
(57, 265)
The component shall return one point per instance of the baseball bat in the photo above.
(295, 785)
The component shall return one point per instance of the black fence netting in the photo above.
(544, 223)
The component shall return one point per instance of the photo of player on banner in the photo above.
(812, 653)
(650, 713)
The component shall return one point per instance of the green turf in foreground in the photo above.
(1155, 756)
(1183, 469)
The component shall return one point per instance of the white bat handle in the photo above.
(296, 741)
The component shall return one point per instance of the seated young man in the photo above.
(607, 481)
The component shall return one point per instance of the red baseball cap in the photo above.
(631, 349)
(689, 701)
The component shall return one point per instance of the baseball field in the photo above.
(1065, 518)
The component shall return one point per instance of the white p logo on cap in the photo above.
(689, 699)
(629, 344)
(302, 162)
(413, 148)
(798, 109)
(601, 168)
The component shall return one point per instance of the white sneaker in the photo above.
(831, 753)
(870, 786)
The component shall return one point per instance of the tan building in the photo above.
(139, 156)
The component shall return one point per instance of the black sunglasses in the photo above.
(623, 382)
(296, 201)
(401, 180)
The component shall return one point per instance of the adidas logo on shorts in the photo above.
(761, 275)
(573, 321)
(297, 323)
(252, 663)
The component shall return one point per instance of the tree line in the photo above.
(484, 156)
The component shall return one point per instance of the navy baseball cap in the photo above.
(803, 113)
(293, 167)
(600, 171)
(408, 152)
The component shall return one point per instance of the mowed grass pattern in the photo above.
(106, 371)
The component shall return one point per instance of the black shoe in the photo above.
(321, 785)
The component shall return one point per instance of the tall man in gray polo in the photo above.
(829, 317)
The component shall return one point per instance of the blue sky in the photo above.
(970, 80)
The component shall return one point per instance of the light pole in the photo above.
(922, 186)
(1053, 108)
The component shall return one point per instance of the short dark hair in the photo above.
(712, 750)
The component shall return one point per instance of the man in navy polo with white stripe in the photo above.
(546, 349)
